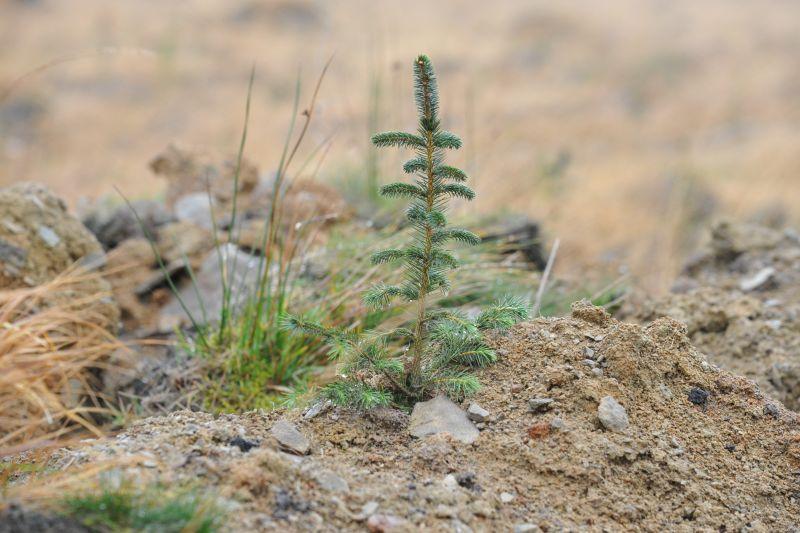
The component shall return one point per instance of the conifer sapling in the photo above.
(442, 346)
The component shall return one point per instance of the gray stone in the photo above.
(382, 523)
(612, 415)
(49, 236)
(758, 280)
(507, 497)
(289, 438)
(331, 481)
(369, 509)
(241, 270)
(441, 415)
(539, 405)
(112, 224)
(476, 413)
(195, 208)
(13, 256)
(317, 409)
(526, 528)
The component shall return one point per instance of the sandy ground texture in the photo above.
(740, 299)
(642, 433)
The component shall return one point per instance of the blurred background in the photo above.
(625, 127)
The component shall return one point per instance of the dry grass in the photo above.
(53, 340)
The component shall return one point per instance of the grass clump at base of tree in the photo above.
(250, 360)
(440, 348)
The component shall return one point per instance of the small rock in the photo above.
(557, 423)
(516, 387)
(758, 280)
(243, 444)
(450, 482)
(526, 528)
(772, 410)
(590, 363)
(444, 511)
(588, 353)
(507, 497)
(698, 396)
(468, 480)
(539, 405)
(598, 372)
(538, 431)
(369, 509)
(612, 415)
(382, 523)
(289, 438)
(665, 392)
(49, 236)
(730, 447)
(317, 409)
(476, 413)
(441, 415)
(332, 482)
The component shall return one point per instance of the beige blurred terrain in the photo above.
(625, 127)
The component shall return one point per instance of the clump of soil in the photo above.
(39, 239)
(683, 445)
(740, 300)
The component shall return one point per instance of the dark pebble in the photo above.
(468, 480)
(730, 447)
(771, 409)
(698, 396)
(243, 444)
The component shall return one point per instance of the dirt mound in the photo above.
(740, 300)
(592, 424)
(39, 239)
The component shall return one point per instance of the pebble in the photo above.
(539, 405)
(557, 423)
(476, 413)
(441, 415)
(444, 511)
(289, 438)
(612, 415)
(758, 280)
(49, 236)
(771, 409)
(507, 497)
(243, 444)
(588, 353)
(698, 396)
(369, 509)
(590, 363)
(450, 482)
(331, 481)
(382, 523)
(317, 409)
(526, 528)
(598, 372)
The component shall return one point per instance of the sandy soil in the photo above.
(704, 449)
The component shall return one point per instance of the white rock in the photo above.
(612, 415)
(759, 279)
(441, 415)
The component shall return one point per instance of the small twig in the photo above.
(537, 306)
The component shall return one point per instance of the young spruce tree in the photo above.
(442, 346)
